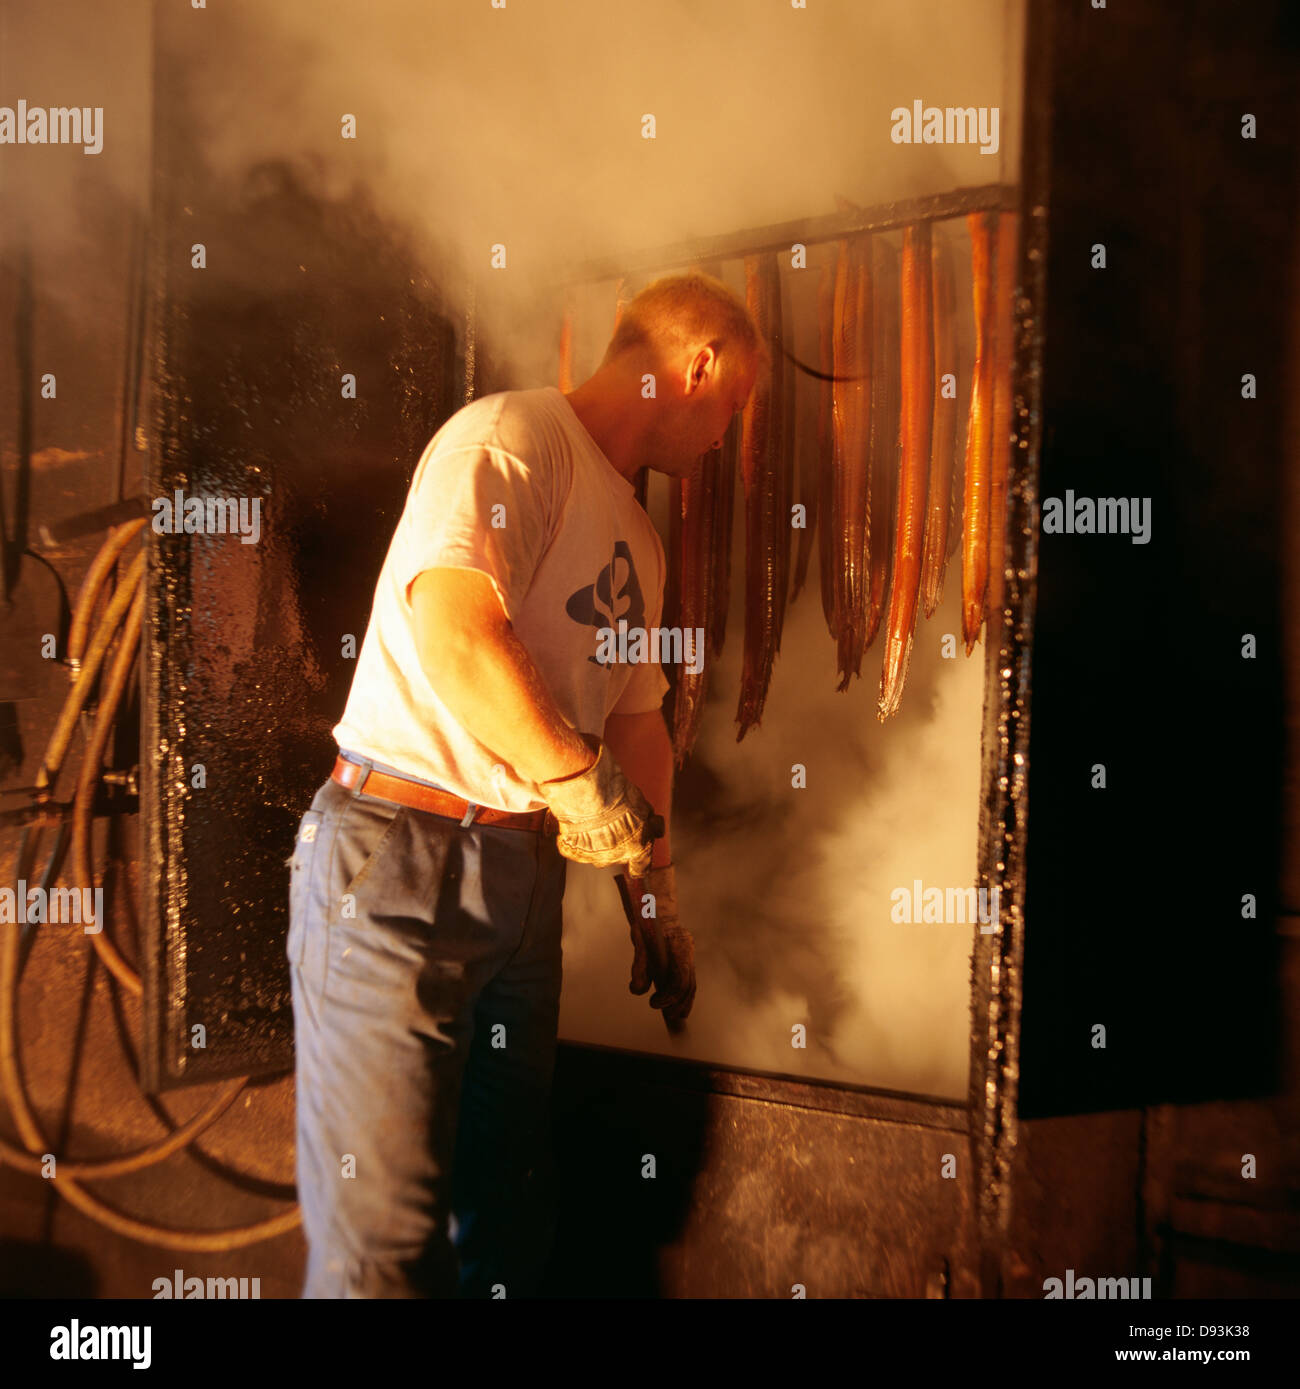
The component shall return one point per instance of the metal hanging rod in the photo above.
(935, 207)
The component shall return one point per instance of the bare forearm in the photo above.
(498, 695)
(643, 749)
(481, 671)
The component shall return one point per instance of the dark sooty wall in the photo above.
(1134, 916)
(246, 665)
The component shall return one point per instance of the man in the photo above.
(483, 744)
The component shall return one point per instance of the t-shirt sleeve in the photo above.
(480, 508)
(646, 689)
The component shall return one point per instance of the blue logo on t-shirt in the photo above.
(615, 596)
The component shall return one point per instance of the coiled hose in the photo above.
(68, 1170)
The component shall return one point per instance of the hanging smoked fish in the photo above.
(1000, 464)
(781, 342)
(724, 505)
(850, 406)
(800, 473)
(975, 511)
(914, 474)
(964, 366)
(886, 392)
(691, 532)
(722, 467)
(767, 532)
(830, 523)
(939, 510)
(808, 457)
(698, 503)
(673, 578)
(672, 610)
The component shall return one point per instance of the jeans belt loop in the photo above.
(367, 765)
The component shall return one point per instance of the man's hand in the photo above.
(604, 819)
(663, 950)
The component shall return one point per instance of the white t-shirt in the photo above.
(514, 486)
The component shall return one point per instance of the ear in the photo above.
(703, 363)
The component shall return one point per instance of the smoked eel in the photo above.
(780, 342)
(724, 505)
(672, 610)
(914, 473)
(939, 510)
(807, 455)
(964, 367)
(850, 423)
(698, 496)
(975, 511)
(886, 392)
(1000, 448)
(830, 523)
(672, 579)
(767, 531)
(720, 467)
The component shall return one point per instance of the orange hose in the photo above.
(202, 1241)
(91, 585)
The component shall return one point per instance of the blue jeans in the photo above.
(425, 961)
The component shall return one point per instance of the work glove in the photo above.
(603, 818)
(663, 950)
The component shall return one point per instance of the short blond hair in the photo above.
(678, 310)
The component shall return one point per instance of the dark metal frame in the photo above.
(160, 862)
(998, 960)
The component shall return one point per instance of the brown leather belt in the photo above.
(351, 775)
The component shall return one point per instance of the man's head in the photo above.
(697, 339)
